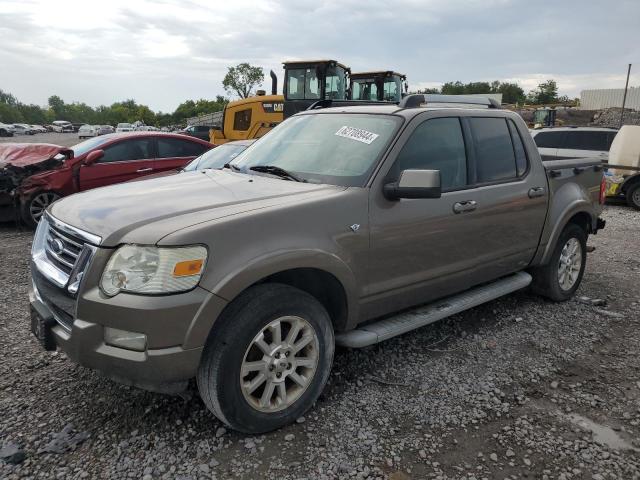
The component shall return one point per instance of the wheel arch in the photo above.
(580, 213)
(324, 276)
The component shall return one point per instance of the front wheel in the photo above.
(561, 277)
(267, 359)
(633, 196)
(34, 207)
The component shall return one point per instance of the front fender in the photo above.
(238, 280)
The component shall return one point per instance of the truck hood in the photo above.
(146, 211)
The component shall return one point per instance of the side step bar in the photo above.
(405, 322)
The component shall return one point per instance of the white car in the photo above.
(6, 130)
(39, 128)
(124, 127)
(555, 143)
(86, 131)
(62, 126)
(22, 129)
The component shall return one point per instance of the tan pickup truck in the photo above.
(343, 226)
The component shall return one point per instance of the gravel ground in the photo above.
(519, 387)
(64, 139)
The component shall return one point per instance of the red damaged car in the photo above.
(32, 175)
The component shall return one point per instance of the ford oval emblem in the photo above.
(57, 246)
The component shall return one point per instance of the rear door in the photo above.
(174, 153)
(585, 144)
(548, 143)
(511, 194)
(124, 160)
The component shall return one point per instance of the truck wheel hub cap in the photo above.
(279, 364)
(569, 264)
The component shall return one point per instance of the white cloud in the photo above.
(164, 52)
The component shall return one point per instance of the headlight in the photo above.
(153, 270)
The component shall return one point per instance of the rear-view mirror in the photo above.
(415, 184)
(93, 157)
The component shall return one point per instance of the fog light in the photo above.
(125, 339)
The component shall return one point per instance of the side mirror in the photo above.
(415, 184)
(93, 157)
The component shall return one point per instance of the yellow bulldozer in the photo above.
(306, 82)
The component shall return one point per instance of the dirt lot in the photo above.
(64, 139)
(519, 387)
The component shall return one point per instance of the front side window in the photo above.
(436, 144)
(495, 158)
(336, 149)
(392, 89)
(138, 149)
(242, 120)
(303, 83)
(176, 147)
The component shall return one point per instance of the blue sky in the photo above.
(163, 52)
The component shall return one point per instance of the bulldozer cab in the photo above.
(544, 117)
(307, 81)
(382, 86)
(248, 118)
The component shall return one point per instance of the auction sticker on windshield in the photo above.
(357, 134)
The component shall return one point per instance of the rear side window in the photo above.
(242, 120)
(495, 157)
(518, 149)
(175, 147)
(139, 149)
(549, 139)
(436, 144)
(586, 140)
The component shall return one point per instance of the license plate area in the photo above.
(41, 329)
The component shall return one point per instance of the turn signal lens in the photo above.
(188, 268)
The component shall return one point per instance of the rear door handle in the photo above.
(142, 170)
(466, 206)
(536, 192)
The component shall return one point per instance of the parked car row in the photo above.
(11, 129)
(87, 131)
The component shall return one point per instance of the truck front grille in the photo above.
(62, 249)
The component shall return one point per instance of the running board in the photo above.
(405, 322)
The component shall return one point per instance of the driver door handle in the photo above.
(465, 206)
(142, 170)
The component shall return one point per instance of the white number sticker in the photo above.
(357, 134)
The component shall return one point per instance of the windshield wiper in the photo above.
(231, 166)
(277, 171)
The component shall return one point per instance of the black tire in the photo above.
(546, 279)
(27, 207)
(218, 376)
(633, 196)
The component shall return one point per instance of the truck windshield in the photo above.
(336, 149)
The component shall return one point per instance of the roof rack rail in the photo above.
(419, 100)
(325, 103)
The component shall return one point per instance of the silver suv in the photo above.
(558, 143)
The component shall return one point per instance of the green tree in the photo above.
(547, 92)
(511, 92)
(242, 79)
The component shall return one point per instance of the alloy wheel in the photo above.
(40, 203)
(569, 264)
(279, 364)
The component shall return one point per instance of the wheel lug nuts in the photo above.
(287, 353)
(278, 374)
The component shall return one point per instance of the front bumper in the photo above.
(176, 326)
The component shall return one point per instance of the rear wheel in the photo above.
(33, 208)
(633, 196)
(561, 277)
(267, 359)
